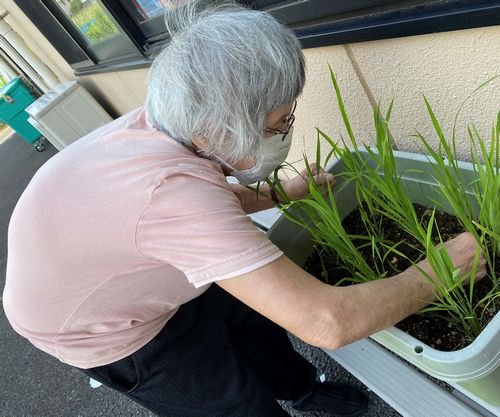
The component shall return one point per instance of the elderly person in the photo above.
(116, 241)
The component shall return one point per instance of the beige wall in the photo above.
(446, 67)
(118, 92)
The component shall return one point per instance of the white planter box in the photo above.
(475, 367)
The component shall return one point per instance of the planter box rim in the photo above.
(475, 366)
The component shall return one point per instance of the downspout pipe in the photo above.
(31, 64)
(6, 70)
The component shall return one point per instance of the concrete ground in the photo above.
(34, 384)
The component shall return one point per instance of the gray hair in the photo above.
(224, 68)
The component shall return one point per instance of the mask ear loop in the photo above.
(222, 162)
(214, 157)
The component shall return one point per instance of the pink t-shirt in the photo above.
(113, 234)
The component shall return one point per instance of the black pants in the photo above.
(215, 357)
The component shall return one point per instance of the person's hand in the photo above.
(298, 187)
(462, 250)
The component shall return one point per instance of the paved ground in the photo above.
(32, 383)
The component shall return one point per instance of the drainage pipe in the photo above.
(31, 64)
(6, 70)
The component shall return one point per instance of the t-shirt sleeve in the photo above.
(200, 228)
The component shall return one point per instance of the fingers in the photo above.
(321, 177)
(463, 250)
(325, 178)
(481, 267)
(314, 168)
(480, 272)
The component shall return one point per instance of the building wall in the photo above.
(119, 92)
(35, 40)
(445, 67)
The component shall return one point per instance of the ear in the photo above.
(199, 143)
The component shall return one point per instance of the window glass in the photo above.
(148, 16)
(145, 10)
(91, 19)
(98, 35)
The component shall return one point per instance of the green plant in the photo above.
(380, 191)
(75, 6)
(487, 190)
(378, 187)
(388, 193)
(320, 216)
(94, 22)
(474, 201)
(453, 298)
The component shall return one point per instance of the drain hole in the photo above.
(418, 349)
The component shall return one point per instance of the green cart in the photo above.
(14, 98)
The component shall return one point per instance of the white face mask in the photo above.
(274, 152)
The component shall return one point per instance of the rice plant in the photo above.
(383, 194)
(452, 296)
(393, 202)
(460, 194)
(380, 192)
(487, 188)
(318, 213)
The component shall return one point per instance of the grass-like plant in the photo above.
(383, 194)
(460, 194)
(380, 193)
(453, 297)
(393, 202)
(320, 216)
(487, 191)
(94, 23)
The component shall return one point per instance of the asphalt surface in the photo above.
(34, 384)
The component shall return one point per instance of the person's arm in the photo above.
(332, 317)
(295, 188)
(251, 201)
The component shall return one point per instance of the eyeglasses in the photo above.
(288, 121)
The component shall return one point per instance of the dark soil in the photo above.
(434, 329)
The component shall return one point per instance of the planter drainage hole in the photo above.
(418, 349)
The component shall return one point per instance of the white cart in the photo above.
(66, 113)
